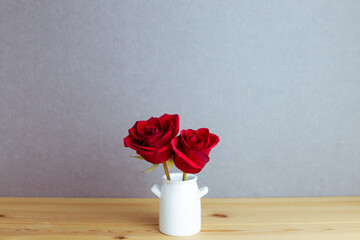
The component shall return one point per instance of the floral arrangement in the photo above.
(156, 141)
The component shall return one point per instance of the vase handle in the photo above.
(156, 190)
(202, 191)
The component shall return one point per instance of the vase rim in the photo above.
(177, 178)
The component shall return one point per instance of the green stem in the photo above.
(166, 171)
(184, 176)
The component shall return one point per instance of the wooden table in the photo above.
(233, 218)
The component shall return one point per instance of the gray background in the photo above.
(278, 81)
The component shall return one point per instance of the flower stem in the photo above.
(166, 171)
(184, 176)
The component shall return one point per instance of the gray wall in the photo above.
(278, 81)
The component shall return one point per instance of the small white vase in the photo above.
(180, 207)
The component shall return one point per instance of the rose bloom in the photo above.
(192, 149)
(151, 139)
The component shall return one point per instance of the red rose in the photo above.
(151, 139)
(192, 149)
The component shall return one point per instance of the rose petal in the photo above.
(146, 148)
(168, 119)
(133, 134)
(183, 161)
(141, 126)
(182, 157)
(187, 134)
(192, 139)
(128, 142)
(197, 142)
(204, 132)
(214, 140)
(198, 157)
(150, 140)
(157, 157)
(163, 140)
(184, 166)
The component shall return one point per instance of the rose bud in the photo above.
(151, 139)
(192, 149)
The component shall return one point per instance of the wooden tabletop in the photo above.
(232, 218)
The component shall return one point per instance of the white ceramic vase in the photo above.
(180, 206)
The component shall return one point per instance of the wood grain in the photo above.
(242, 218)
